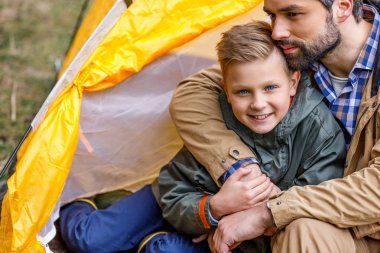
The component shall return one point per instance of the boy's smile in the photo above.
(259, 92)
(260, 117)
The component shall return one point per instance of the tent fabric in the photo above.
(146, 31)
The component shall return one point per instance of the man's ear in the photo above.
(294, 80)
(343, 9)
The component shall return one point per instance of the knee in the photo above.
(303, 225)
(311, 235)
(81, 240)
(172, 243)
(76, 228)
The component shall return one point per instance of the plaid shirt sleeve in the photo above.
(234, 167)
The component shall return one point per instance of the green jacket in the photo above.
(306, 147)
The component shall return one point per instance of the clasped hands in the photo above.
(240, 205)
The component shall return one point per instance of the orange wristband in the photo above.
(201, 212)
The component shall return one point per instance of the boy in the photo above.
(278, 115)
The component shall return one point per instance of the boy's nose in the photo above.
(258, 103)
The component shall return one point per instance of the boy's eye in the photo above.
(243, 92)
(270, 87)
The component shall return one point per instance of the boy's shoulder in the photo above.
(318, 118)
(310, 109)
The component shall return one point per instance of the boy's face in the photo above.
(304, 29)
(259, 92)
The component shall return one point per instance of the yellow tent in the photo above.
(105, 125)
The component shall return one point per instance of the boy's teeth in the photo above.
(260, 116)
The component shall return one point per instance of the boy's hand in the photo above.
(200, 238)
(243, 189)
(257, 172)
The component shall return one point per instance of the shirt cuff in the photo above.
(281, 210)
(213, 221)
(234, 167)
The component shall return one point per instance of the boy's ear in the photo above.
(223, 84)
(294, 80)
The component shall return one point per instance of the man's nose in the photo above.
(280, 30)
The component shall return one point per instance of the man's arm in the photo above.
(352, 201)
(346, 202)
(196, 113)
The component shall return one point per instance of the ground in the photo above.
(34, 36)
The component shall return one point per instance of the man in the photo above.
(338, 39)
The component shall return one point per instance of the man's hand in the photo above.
(238, 227)
(275, 191)
(244, 189)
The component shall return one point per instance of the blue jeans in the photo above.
(119, 227)
(175, 243)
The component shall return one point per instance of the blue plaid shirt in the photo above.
(346, 106)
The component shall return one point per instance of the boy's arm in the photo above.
(196, 113)
(242, 190)
(183, 191)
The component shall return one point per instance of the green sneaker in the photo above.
(90, 200)
(104, 200)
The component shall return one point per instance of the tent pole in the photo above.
(12, 158)
(128, 2)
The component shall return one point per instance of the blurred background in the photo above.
(34, 38)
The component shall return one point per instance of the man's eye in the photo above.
(270, 17)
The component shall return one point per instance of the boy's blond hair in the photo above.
(246, 43)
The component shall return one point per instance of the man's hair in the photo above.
(357, 8)
(245, 43)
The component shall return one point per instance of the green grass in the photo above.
(33, 35)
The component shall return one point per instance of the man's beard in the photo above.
(309, 52)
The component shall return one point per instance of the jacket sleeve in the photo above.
(196, 113)
(183, 191)
(352, 201)
(349, 202)
(325, 151)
